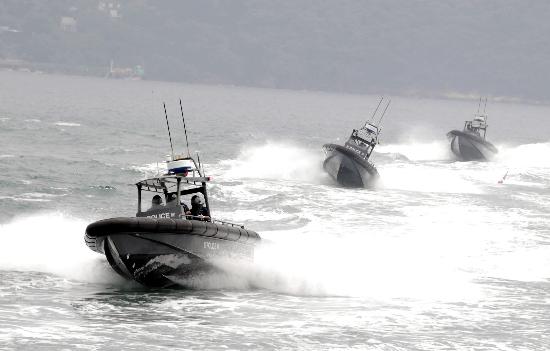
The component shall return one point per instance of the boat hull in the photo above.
(470, 147)
(347, 168)
(165, 252)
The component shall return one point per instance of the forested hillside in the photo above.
(492, 47)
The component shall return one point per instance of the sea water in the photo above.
(439, 256)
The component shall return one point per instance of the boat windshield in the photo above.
(477, 126)
(169, 201)
(364, 140)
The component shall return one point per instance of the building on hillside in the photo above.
(114, 13)
(112, 8)
(68, 24)
(7, 29)
(135, 73)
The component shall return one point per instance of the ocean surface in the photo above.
(439, 256)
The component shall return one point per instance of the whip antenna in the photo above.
(201, 169)
(168, 126)
(185, 129)
(384, 113)
(374, 114)
(479, 105)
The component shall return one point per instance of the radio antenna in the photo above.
(374, 114)
(484, 107)
(185, 129)
(201, 170)
(479, 105)
(384, 113)
(168, 126)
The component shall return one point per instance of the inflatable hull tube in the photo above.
(166, 252)
(470, 147)
(348, 169)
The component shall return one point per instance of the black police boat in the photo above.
(165, 245)
(470, 144)
(349, 164)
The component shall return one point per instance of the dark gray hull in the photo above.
(163, 252)
(470, 147)
(347, 168)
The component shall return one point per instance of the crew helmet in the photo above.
(157, 200)
(196, 200)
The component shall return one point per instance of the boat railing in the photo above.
(208, 219)
(227, 223)
(196, 218)
(479, 124)
(370, 129)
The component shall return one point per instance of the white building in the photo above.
(68, 24)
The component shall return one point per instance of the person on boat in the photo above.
(172, 201)
(198, 210)
(172, 198)
(185, 208)
(156, 203)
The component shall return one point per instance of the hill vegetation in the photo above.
(492, 47)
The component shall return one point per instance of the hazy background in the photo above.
(427, 48)
(440, 257)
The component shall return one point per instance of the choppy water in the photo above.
(440, 256)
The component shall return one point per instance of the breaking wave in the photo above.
(67, 124)
(52, 243)
(432, 151)
(526, 155)
(423, 167)
(424, 251)
(433, 256)
(274, 160)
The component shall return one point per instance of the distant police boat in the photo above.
(349, 165)
(164, 245)
(470, 144)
